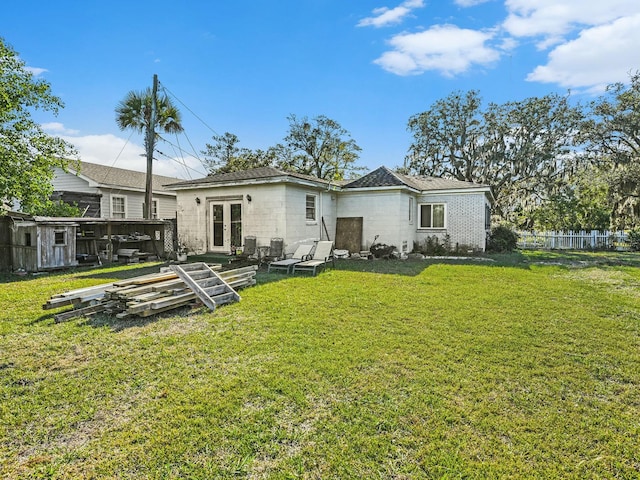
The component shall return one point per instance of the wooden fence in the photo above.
(582, 240)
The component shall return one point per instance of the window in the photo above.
(27, 239)
(154, 208)
(311, 208)
(432, 215)
(487, 217)
(59, 238)
(118, 206)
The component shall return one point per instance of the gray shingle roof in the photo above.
(261, 173)
(383, 177)
(120, 177)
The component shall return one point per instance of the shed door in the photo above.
(349, 234)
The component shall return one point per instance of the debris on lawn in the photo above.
(173, 287)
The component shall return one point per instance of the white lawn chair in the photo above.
(301, 253)
(322, 255)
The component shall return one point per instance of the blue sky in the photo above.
(244, 66)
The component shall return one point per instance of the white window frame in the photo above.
(432, 205)
(124, 206)
(315, 208)
(155, 205)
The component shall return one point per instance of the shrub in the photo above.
(633, 238)
(432, 246)
(502, 239)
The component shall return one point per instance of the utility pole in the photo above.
(150, 144)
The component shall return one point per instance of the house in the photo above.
(215, 213)
(109, 192)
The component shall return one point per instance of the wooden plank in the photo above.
(163, 302)
(79, 312)
(60, 302)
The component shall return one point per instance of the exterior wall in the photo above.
(385, 213)
(134, 202)
(64, 181)
(275, 211)
(262, 217)
(298, 229)
(67, 182)
(465, 219)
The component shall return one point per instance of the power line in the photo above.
(166, 90)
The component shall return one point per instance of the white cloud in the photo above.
(36, 71)
(389, 16)
(57, 127)
(598, 57)
(117, 152)
(469, 3)
(444, 48)
(553, 19)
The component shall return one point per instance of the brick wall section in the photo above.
(465, 219)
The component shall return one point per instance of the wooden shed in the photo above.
(40, 244)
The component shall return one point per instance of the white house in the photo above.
(215, 213)
(111, 192)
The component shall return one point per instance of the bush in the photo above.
(433, 246)
(633, 238)
(502, 239)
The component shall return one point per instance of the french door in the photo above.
(226, 225)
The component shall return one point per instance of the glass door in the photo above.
(226, 226)
(217, 222)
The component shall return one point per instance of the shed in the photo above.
(38, 244)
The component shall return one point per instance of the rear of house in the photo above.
(216, 213)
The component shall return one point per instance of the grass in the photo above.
(524, 367)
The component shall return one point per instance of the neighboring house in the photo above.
(109, 192)
(215, 213)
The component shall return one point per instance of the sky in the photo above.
(244, 66)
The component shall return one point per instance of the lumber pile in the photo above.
(144, 295)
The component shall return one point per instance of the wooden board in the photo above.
(349, 234)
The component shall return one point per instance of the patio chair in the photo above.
(322, 255)
(276, 250)
(301, 253)
(249, 248)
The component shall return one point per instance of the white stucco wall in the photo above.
(275, 211)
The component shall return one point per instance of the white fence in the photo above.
(593, 240)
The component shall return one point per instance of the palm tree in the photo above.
(135, 112)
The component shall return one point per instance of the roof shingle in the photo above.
(120, 177)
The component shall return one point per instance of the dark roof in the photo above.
(120, 177)
(261, 173)
(383, 177)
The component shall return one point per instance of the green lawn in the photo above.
(524, 367)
